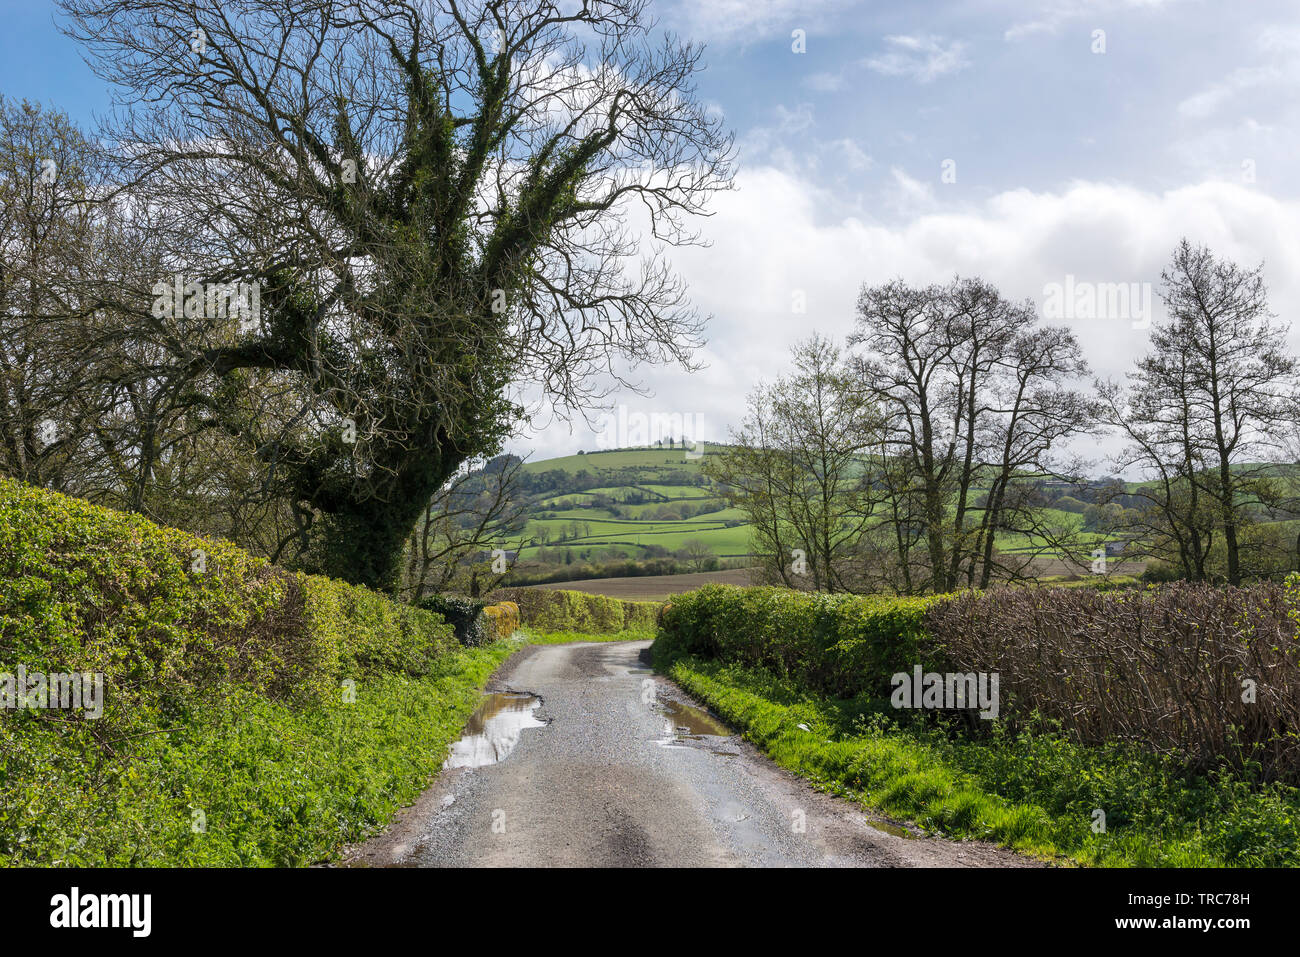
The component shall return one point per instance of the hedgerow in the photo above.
(548, 609)
(286, 712)
(839, 645)
(1205, 674)
(1129, 702)
(1208, 674)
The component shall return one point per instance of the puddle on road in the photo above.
(494, 729)
(685, 719)
(893, 829)
(683, 723)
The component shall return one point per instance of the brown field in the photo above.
(659, 587)
(651, 587)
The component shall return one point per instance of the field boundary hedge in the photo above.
(291, 711)
(1172, 667)
(549, 609)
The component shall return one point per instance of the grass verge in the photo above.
(244, 781)
(1035, 792)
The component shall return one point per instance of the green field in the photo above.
(630, 503)
(626, 502)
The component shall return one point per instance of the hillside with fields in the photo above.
(628, 503)
(659, 511)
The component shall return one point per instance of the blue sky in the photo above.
(1067, 161)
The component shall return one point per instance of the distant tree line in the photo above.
(929, 452)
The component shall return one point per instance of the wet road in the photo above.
(585, 758)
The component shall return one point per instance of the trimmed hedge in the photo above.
(1168, 667)
(838, 645)
(157, 611)
(1209, 674)
(549, 609)
(503, 618)
(291, 709)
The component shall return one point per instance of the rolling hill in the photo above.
(627, 503)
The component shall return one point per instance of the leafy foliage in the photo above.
(556, 610)
(834, 644)
(292, 712)
(1034, 790)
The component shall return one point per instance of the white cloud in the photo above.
(729, 22)
(923, 58)
(1281, 45)
(777, 235)
(825, 82)
(1053, 16)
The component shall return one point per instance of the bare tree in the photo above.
(698, 554)
(1032, 412)
(796, 469)
(1212, 397)
(970, 393)
(475, 514)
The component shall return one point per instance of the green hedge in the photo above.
(200, 642)
(463, 614)
(158, 610)
(1166, 666)
(839, 645)
(549, 609)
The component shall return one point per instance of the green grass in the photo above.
(270, 784)
(1034, 792)
(240, 780)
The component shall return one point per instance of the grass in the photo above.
(246, 781)
(240, 780)
(1034, 792)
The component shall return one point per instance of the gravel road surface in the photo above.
(585, 758)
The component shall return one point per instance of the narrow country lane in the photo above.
(613, 767)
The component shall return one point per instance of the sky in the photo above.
(1044, 146)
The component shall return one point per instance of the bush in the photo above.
(1160, 572)
(1164, 667)
(554, 610)
(503, 619)
(840, 645)
(463, 614)
(222, 693)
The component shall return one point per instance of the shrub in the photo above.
(841, 645)
(503, 619)
(555, 610)
(463, 614)
(1164, 667)
(1159, 572)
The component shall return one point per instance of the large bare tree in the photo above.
(440, 203)
(1206, 410)
(972, 394)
